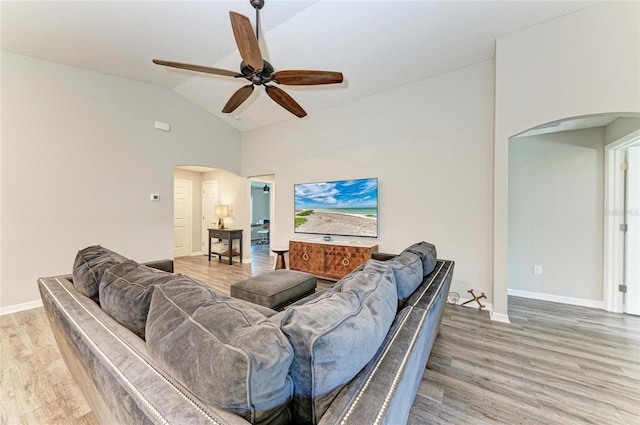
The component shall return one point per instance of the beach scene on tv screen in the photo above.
(345, 207)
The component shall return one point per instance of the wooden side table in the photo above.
(280, 262)
(229, 235)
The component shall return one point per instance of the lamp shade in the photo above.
(221, 210)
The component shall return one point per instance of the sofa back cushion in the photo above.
(335, 335)
(427, 253)
(89, 266)
(407, 269)
(227, 354)
(125, 293)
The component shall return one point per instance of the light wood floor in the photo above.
(554, 364)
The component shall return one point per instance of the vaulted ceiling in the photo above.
(378, 45)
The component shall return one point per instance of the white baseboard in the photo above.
(500, 317)
(20, 307)
(497, 317)
(557, 298)
(195, 254)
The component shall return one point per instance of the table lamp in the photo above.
(221, 211)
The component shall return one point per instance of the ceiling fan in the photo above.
(258, 71)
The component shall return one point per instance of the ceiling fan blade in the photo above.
(286, 101)
(237, 98)
(198, 68)
(246, 41)
(307, 78)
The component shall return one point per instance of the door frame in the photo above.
(271, 180)
(632, 233)
(614, 215)
(189, 215)
(204, 224)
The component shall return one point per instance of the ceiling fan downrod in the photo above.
(257, 5)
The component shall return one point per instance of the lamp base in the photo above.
(220, 223)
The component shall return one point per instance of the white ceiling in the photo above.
(378, 45)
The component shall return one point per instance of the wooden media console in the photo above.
(328, 260)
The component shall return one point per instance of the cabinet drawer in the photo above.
(218, 234)
(306, 257)
(342, 260)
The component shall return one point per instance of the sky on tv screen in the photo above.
(361, 193)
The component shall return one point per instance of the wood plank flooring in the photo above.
(554, 364)
(35, 384)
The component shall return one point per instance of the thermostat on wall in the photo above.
(155, 197)
(162, 126)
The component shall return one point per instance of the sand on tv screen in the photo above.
(343, 207)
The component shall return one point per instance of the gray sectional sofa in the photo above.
(149, 346)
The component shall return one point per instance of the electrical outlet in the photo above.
(537, 270)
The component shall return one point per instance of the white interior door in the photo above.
(209, 200)
(182, 195)
(632, 236)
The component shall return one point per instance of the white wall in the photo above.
(80, 158)
(583, 63)
(429, 144)
(556, 198)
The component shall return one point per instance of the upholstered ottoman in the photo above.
(276, 289)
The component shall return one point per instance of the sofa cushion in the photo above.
(125, 293)
(89, 266)
(427, 253)
(335, 335)
(226, 353)
(407, 270)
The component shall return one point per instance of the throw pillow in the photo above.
(89, 266)
(427, 253)
(125, 293)
(226, 353)
(334, 336)
(407, 270)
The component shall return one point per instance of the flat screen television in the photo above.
(341, 208)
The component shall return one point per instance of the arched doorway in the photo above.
(556, 203)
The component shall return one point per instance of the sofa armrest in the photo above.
(383, 392)
(119, 378)
(382, 256)
(164, 265)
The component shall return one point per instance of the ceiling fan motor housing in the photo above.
(257, 78)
